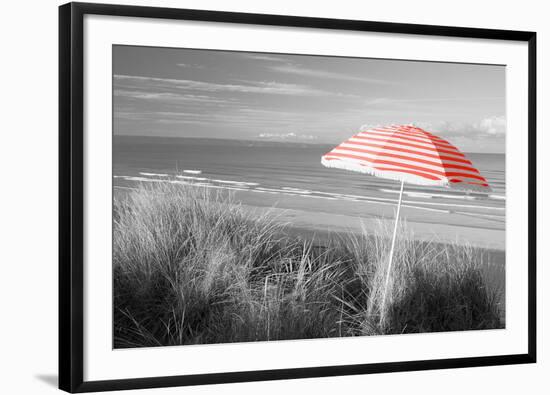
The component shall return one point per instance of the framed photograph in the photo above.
(251, 197)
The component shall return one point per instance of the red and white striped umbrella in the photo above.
(408, 154)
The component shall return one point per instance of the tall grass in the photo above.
(192, 266)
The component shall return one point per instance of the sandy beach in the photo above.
(325, 216)
(322, 216)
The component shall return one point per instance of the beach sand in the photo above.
(424, 221)
(319, 226)
(319, 223)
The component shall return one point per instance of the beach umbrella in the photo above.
(409, 154)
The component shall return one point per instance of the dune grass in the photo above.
(191, 266)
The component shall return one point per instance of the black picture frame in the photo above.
(71, 195)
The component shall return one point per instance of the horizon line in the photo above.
(306, 142)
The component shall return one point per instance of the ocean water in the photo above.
(290, 176)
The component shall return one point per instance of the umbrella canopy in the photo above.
(407, 153)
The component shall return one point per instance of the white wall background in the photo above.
(28, 199)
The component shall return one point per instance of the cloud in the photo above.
(287, 136)
(492, 125)
(381, 100)
(299, 70)
(401, 101)
(193, 66)
(368, 126)
(283, 65)
(263, 87)
(243, 118)
(267, 58)
(167, 96)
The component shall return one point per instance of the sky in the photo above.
(298, 98)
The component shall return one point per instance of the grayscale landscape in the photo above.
(227, 228)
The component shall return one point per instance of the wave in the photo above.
(298, 190)
(443, 195)
(236, 182)
(244, 186)
(154, 174)
(192, 178)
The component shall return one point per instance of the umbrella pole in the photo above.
(388, 270)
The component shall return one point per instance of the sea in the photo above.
(289, 175)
